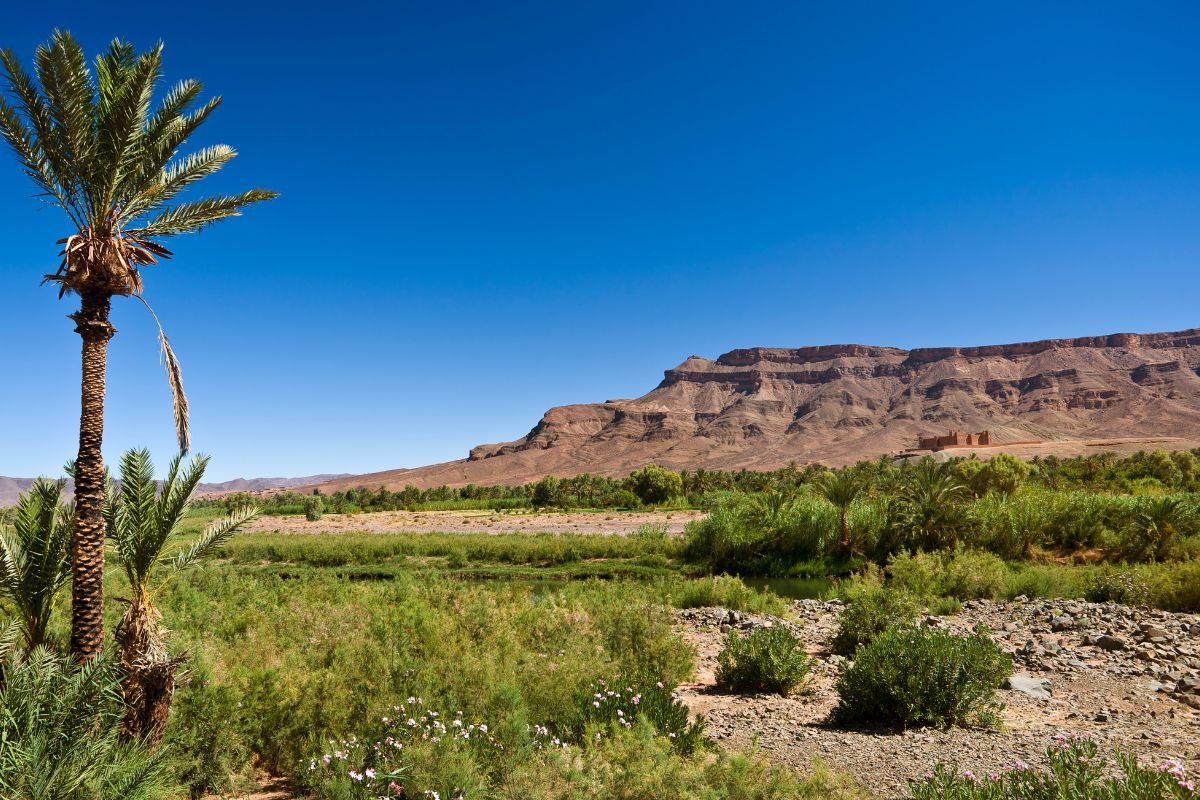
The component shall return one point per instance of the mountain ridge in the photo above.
(762, 407)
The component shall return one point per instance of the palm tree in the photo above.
(841, 488)
(143, 522)
(35, 558)
(93, 147)
(931, 510)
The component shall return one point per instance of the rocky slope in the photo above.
(761, 408)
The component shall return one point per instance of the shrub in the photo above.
(919, 676)
(313, 508)
(764, 660)
(617, 705)
(1118, 586)
(1076, 772)
(870, 610)
(653, 484)
(964, 574)
(726, 591)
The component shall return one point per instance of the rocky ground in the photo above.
(619, 522)
(1130, 677)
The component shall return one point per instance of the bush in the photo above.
(870, 610)
(1076, 772)
(314, 509)
(726, 591)
(547, 492)
(653, 484)
(607, 707)
(764, 660)
(919, 676)
(963, 574)
(1118, 586)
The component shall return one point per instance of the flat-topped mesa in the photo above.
(1186, 338)
(749, 356)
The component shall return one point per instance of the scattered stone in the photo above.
(1028, 685)
(1061, 624)
(1110, 642)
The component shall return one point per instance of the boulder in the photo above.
(1038, 688)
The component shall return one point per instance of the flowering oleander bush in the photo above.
(386, 764)
(1076, 772)
(919, 676)
(606, 706)
(764, 660)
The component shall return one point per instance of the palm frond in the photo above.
(215, 535)
(175, 380)
(188, 217)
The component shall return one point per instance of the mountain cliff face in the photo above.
(761, 408)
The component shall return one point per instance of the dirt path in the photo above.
(1124, 698)
(617, 522)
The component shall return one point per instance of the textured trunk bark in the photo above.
(87, 543)
(148, 684)
(845, 524)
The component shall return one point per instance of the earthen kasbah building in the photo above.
(955, 439)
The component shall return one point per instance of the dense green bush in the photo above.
(608, 706)
(725, 591)
(870, 610)
(314, 508)
(920, 676)
(1076, 771)
(653, 484)
(764, 660)
(1118, 586)
(962, 574)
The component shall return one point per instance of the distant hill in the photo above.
(11, 487)
(762, 407)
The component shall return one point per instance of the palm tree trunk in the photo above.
(87, 544)
(845, 524)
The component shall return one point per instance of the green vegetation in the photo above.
(764, 660)
(97, 146)
(58, 734)
(870, 610)
(1077, 771)
(912, 676)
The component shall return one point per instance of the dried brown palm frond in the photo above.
(175, 379)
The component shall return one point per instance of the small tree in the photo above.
(547, 492)
(143, 523)
(1005, 474)
(652, 484)
(35, 558)
(313, 508)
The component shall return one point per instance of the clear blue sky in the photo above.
(489, 209)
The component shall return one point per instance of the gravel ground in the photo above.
(622, 522)
(1130, 677)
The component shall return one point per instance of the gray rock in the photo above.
(1110, 642)
(1038, 688)
(1061, 623)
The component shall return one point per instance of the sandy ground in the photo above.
(478, 522)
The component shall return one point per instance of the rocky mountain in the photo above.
(762, 407)
(10, 488)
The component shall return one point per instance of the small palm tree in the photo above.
(841, 488)
(1158, 524)
(143, 522)
(35, 558)
(59, 734)
(931, 509)
(95, 147)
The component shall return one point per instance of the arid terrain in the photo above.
(623, 522)
(762, 408)
(1138, 692)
